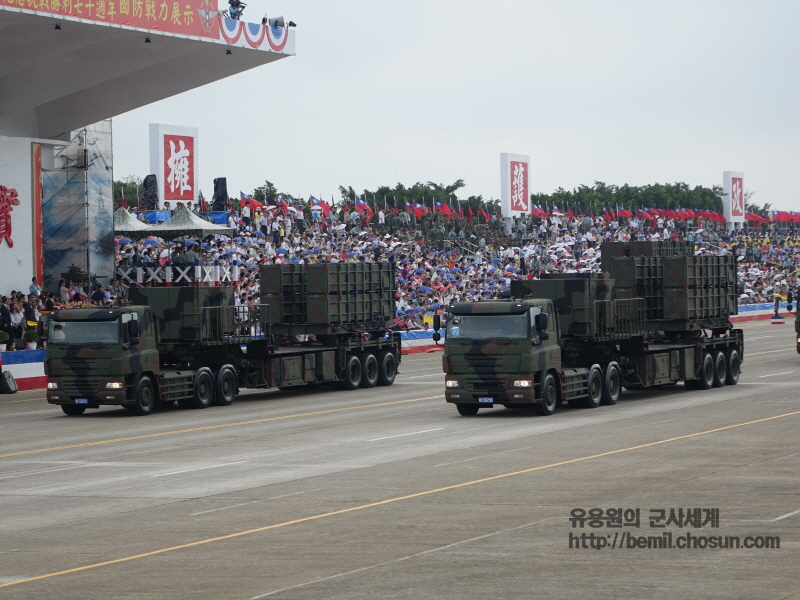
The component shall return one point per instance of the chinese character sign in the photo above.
(179, 162)
(519, 186)
(189, 17)
(8, 200)
(737, 197)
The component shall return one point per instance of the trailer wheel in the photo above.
(734, 367)
(549, 401)
(613, 384)
(707, 371)
(203, 389)
(144, 397)
(370, 370)
(388, 368)
(73, 410)
(720, 369)
(226, 387)
(594, 385)
(467, 410)
(352, 373)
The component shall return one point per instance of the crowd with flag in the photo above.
(446, 253)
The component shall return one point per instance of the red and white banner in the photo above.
(174, 162)
(515, 199)
(733, 197)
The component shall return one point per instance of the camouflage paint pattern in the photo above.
(488, 368)
(83, 370)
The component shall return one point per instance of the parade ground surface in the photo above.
(389, 493)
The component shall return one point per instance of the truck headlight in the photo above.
(451, 383)
(114, 385)
(525, 383)
(52, 385)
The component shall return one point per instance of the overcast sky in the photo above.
(621, 92)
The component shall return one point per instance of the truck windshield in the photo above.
(83, 332)
(488, 327)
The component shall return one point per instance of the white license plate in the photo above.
(485, 400)
(81, 401)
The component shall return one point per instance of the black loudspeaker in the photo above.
(150, 197)
(220, 201)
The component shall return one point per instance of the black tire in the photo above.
(144, 397)
(549, 401)
(370, 370)
(706, 381)
(203, 394)
(594, 388)
(612, 384)
(73, 410)
(720, 369)
(225, 386)
(734, 367)
(388, 368)
(467, 410)
(352, 373)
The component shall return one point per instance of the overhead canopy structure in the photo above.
(185, 222)
(71, 66)
(125, 222)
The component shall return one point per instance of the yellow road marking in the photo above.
(388, 501)
(768, 351)
(26, 400)
(209, 427)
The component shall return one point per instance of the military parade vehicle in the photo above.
(656, 315)
(192, 344)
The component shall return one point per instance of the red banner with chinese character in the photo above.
(519, 186)
(737, 197)
(179, 158)
(188, 17)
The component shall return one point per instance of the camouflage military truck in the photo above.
(192, 345)
(657, 315)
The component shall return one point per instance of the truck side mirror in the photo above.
(544, 336)
(436, 336)
(133, 332)
(437, 323)
(542, 322)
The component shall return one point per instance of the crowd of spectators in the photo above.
(439, 259)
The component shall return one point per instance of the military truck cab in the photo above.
(501, 352)
(99, 356)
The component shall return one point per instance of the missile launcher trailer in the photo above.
(655, 316)
(316, 324)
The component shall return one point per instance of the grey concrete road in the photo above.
(388, 493)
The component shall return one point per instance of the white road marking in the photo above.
(483, 456)
(404, 434)
(776, 374)
(644, 425)
(200, 468)
(223, 508)
(295, 493)
(431, 375)
(786, 516)
(759, 337)
(397, 560)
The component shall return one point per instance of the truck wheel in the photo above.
(388, 368)
(352, 373)
(720, 369)
(203, 389)
(467, 410)
(73, 410)
(594, 385)
(226, 387)
(613, 384)
(144, 397)
(706, 381)
(734, 367)
(370, 370)
(549, 401)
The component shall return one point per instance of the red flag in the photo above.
(469, 212)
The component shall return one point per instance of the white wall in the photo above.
(16, 264)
